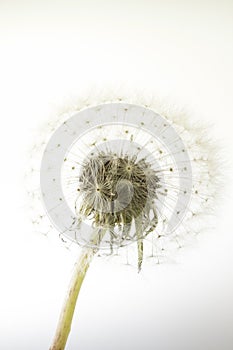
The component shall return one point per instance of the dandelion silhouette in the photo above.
(117, 173)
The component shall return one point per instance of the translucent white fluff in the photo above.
(175, 151)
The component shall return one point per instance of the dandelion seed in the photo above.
(123, 174)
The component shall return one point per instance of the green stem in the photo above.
(66, 316)
(138, 224)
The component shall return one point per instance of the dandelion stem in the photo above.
(66, 316)
(138, 224)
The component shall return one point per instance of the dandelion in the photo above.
(121, 174)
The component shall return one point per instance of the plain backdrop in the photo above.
(50, 50)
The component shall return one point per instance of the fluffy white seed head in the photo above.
(114, 142)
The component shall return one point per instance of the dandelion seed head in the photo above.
(124, 165)
(123, 169)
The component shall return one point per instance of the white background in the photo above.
(51, 50)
